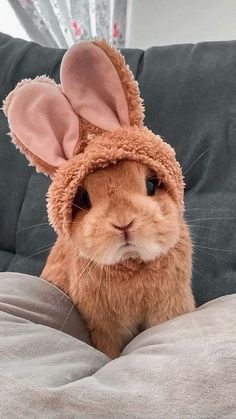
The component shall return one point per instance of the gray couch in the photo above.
(184, 368)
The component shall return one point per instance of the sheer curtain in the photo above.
(61, 23)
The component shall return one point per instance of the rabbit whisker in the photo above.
(80, 208)
(67, 317)
(91, 267)
(211, 218)
(215, 248)
(32, 226)
(100, 284)
(64, 295)
(205, 209)
(34, 254)
(196, 235)
(208, 253)
(207, 279)
(67, 293)
(199, 226)
(195, 161)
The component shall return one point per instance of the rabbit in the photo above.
(127, 264)
(123, 253)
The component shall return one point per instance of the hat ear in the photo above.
(42, 123)
(100, 87)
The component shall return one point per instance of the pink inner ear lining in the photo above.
(40, 165)
(91, 83)
(42, 119)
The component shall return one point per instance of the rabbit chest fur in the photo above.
(117, 302)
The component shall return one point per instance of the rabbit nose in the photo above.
(124, 228)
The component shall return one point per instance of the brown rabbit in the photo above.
(123, 252)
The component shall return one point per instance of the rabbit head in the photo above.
(123, 212)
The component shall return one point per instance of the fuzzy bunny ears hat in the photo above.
(94, 118)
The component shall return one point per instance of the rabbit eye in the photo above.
(152, 184)
(81, 201)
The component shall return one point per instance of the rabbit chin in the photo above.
(146, 254)
(117, 254)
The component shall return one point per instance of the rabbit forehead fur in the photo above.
(118, 196)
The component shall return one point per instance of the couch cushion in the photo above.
(189, 95)
(183, 368)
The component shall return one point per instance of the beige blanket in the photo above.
(184, 368)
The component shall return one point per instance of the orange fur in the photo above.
(118, 299)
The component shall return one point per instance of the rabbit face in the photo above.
(124, 211)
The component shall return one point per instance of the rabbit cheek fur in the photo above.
(120, 289)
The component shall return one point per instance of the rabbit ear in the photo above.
(42, 123)
(93, 86)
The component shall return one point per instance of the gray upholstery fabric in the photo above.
(189, 95)
(184, 368)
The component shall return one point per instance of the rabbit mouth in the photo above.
(128, 251)
(127, 244)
